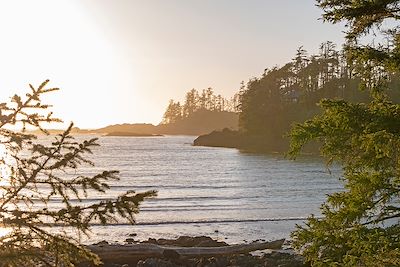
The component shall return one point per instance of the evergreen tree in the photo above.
(300, 62)
(210, 99)
(33, 174)
(173, 112)
(195, 102)
(203, 100)
(360, 225)
(235, 103)
(191, 103)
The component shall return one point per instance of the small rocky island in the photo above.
(245, 142)
(225, 138)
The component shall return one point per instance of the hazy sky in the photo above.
(121, 61)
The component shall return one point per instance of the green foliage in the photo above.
(360, 16)
(33, 174)
(262, 105)
(360, 225)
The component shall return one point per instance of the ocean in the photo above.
(223, 193)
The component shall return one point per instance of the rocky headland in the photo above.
(236, 139)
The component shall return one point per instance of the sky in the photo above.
(120, 61)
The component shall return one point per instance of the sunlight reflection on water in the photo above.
(4, 231)
(5, 169)
(5, 172)
(222, 193)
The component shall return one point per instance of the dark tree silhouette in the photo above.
(173, 112)
(199, 102)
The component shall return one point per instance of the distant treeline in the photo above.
(269, 105)
(196, 101)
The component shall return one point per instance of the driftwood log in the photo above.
(109, 252)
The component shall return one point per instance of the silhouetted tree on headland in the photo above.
(195, 101)
(173, 112)
(33, 174)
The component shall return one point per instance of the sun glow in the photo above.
(56, 40)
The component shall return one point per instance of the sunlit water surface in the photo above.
(218, 192)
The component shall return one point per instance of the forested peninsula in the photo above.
(268, 106)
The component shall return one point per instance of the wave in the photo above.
(221, 221)
(197, 209)
(161, 187)
(210, 221)
(158, 199)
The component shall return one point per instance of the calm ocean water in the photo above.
(219, 192)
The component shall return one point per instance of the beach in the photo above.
(199, 251)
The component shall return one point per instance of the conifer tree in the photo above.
(173, 112)
(191, 103)
(360, 225)
(34, 173)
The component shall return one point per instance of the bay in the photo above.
(223, 193)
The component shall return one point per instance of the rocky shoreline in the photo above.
(170, 256)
